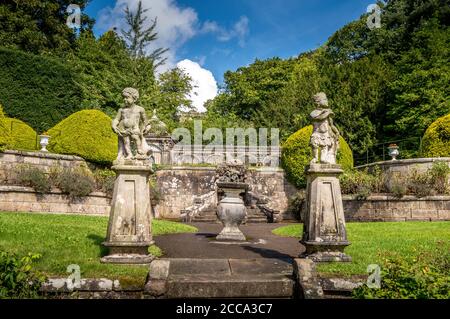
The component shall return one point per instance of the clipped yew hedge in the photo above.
(297, 154)
(5, 135)
(23, 137)
(436, 141)
(87, 134)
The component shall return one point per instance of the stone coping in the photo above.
(410, 161)
(213, 168)
(44, 155)
(56, 191)
(390, 197)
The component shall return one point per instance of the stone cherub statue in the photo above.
(131, 124)
(325, 136)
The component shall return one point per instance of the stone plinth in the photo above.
(231, 211)
(324, 234)
(129, 230)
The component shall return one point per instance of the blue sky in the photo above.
(216, 36)
(280, 28)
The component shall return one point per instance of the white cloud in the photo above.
(206, 85)
(239, 30)
(175, 25)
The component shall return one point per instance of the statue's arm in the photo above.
(116, 121)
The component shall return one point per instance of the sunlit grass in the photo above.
(73, 239)
(369, 241)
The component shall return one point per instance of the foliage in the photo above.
(34, 177)
(68, 239)
(436, 141)
(425, 276)
(75, 182)
(139, 38)
(38, 90)
(104, 180)
(5, 135)
(18, 279)
(297, 154)
(361, 183)
(39, 26)
(371, 240)
(23, 136)
(87, 134)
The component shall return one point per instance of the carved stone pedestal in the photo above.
(231, 211)
(129, 230)
(324, 234)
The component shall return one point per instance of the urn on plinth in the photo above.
(231, 211)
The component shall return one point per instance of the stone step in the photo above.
(221, 278)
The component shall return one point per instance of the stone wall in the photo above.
(25, 199)
(180, 189)
(389, 208)
(11, 160)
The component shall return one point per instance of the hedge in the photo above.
(5, 135)
(23, 137)
(38, 90)
(88, 134)
(436, 140)
(297, 154)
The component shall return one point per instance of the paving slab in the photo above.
(260, 266)
(186, 266)
(261, 243)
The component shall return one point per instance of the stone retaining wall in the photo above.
(11, 160)
(183, 188)
(25, 199)
(388, 208)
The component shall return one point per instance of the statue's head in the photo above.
(321, 99)
(130, 96)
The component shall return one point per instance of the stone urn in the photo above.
(231, 210)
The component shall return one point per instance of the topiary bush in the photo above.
(297, 154)
(87, 134)
(5, 135)
(436, 141)
(23, 137)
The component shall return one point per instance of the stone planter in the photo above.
(231, 211)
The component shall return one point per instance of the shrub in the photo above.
(34, 177)
(297, 154)
(87, 134)
(419, 184)
(75, 182)
(5, 134)
(104, 180)
(37, 89)
(439, 174)
(436, 141)
(17, 277)
(23, 137)
(423, 277)
(357, 182)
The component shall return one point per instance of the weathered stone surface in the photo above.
(129, 230)
(231, 211)
(325, 235)
(307, 279)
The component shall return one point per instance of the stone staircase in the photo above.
(254, 215)
(221, 278)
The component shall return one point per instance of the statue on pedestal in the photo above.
(325, 235)
(129, 229)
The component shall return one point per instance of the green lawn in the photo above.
(73, 239)
(370, 240)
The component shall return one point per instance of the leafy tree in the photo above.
(138, 38)
(39, 25)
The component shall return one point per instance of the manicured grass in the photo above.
(369, 241)
(73, 239)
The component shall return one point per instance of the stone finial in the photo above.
(157, 127)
